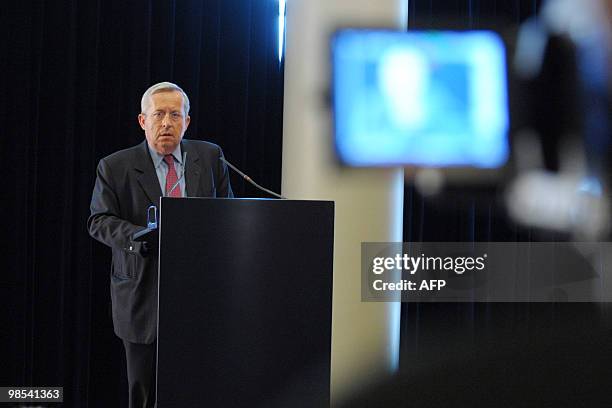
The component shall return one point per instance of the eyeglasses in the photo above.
(158, 116)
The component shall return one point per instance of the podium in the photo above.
(244, 302)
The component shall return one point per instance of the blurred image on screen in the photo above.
(420, 98)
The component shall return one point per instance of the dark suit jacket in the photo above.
(126, 185)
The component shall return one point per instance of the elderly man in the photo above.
(127, 183)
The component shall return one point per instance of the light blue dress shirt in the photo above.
(161, 168)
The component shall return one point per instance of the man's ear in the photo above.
(141, 120)
(187, 121)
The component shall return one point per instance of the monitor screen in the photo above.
(430, 98)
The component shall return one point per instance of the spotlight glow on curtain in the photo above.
(281, 28)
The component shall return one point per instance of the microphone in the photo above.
(180, 178)
(247, 178)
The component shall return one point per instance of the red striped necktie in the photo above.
(171, 178)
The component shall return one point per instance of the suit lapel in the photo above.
(192, 170)
(147, 177)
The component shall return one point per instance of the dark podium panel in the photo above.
(245, 288)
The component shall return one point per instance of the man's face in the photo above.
(164, 122)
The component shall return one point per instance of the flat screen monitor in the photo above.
(420, 98)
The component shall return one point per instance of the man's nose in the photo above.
(166, 120)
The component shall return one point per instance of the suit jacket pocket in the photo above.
(120, 269)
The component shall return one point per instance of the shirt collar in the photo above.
(158, 157)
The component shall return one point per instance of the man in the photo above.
(127, 183)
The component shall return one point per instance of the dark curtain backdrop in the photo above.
(433, 334)
(472, 14)
(71, 78)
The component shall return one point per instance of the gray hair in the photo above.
(163, 87)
